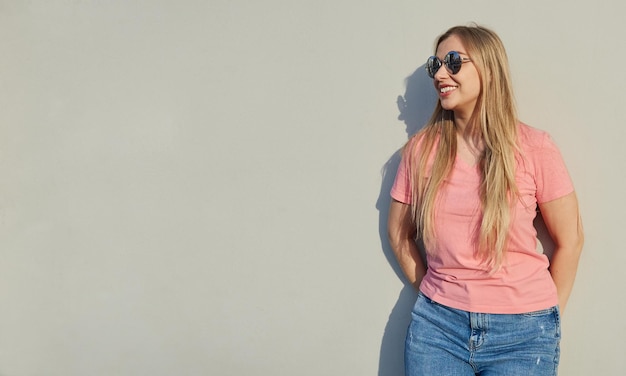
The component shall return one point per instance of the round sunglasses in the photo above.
(453, 62)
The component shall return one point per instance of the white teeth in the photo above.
(447, 89)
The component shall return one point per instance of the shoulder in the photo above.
(421, 140)
(531, 138)
(538, 148)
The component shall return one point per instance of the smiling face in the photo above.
(458, 92)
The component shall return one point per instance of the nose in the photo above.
(442, 73)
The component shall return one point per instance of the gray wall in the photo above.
(200, 188)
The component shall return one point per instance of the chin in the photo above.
(447, 106)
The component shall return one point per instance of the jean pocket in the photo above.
(420, 295)
(539, 313)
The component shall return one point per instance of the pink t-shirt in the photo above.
(455, 275)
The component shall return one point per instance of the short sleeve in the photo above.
(401, 189)
(551, 176)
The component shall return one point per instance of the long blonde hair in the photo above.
(432, 151)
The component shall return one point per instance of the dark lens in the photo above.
(453, 62)
(432, 66)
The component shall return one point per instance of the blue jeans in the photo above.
(451, 342)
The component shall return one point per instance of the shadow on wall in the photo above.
(415, 108)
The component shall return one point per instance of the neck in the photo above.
(462, 121)
(467, 135)
(465, 127)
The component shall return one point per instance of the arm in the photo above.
(565, 227)
(402, 231)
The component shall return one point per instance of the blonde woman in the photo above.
(469, 186)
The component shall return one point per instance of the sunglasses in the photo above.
(453, 62)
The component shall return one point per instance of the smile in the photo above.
(447, 89)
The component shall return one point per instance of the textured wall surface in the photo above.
(200, 188)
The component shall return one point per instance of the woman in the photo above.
(469, 187)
